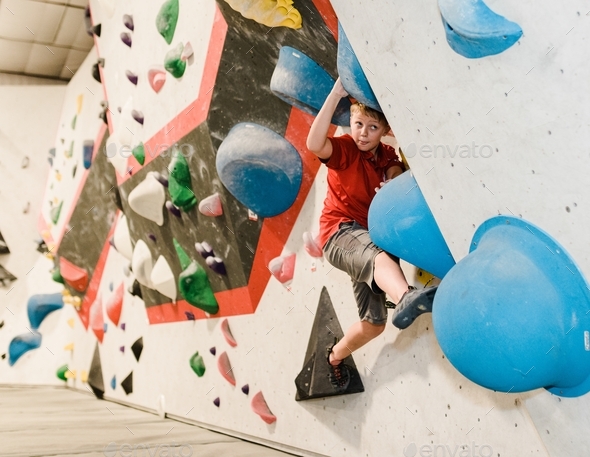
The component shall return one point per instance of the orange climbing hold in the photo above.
(115, 304)
(76, 277)
(227, 334)
(260, 407)
(225, 368)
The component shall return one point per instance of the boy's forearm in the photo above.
(318, 133)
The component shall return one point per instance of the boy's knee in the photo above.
(373, 330)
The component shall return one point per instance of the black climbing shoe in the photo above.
(413, 303)
(339, 375)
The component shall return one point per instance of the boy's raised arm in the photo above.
(317, 139)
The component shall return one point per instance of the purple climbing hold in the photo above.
(246, 389)
(213, 350)
(122, 349)
(126, 38)
(204, 249)
(152, 237)
(173, 209)
(128, 21)
(190, 316)
(161, 178)
(131, 77)
(217, 402)
(138, 116)
(216, 264)
(123, 326)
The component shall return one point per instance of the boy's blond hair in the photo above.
(368, 111)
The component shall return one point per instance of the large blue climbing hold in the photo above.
(302, 83)
(512, 315)
(39, 306)
(22, 344)
(260, 168)
(473, 30)
(352, 75)
(401, 223)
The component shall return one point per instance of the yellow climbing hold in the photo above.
(71, 322)
(69, 347)
(272, 13)
(84, 376)
(70, 374)
(79, 102)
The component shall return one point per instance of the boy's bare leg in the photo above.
(357, 336)
(389, 277)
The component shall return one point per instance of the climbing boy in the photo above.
(358, 165)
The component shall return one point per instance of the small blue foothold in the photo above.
(114, 382)
(473, 30)
(88, 148)
(22, 344)
(39, 306)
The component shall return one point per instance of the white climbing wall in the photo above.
(415, 402)
(516, 123)
(28, 122)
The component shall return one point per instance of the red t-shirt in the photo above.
(353, 176)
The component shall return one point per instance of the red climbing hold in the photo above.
(311, 246)
(260, 407)
(283, 268)
(74, 276)
(225, 368)
(115, 304)
(96, 319)
(227, 334)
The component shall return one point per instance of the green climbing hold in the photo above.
(139, 153)
(185, 260)
(61, 372)
(55, 212)
(74, 121)
(173, 62)
(56, 275)
(197, 364)
(193, 283)
(194, 286)
(167, 18)
(69, 153)
(179, 182)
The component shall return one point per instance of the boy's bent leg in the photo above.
(373, 317)
(359, 334)
(389, 277)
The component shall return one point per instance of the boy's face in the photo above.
(366, 132)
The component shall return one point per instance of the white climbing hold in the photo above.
(142, 264)
(163, 279)
(148, 198)
(122, 239)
